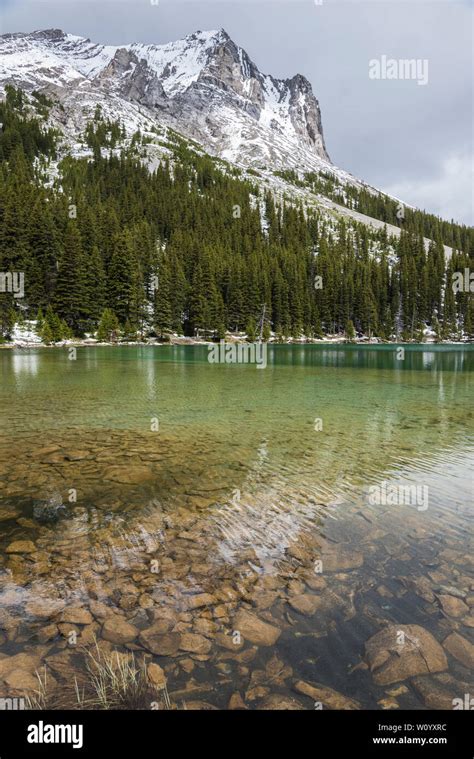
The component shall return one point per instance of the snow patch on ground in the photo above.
(25, 333)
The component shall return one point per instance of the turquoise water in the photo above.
(251, 462)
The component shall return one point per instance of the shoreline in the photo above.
(194, 342)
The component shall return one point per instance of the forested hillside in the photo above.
(194, 247)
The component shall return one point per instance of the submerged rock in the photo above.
(329, 698)
(77, 616)
(259, 691)
(277, 671)
(460, 648)
(156, 676)
(400, 690)
(194, 643)
(44, 608)
(255, 630)
(339, 558)
(228, 641)
(134, 474)
(76, 455)
(440, 691)
(453, 606)
(388, 703)
(21, 546)
(450, 590)
(7, 513)
(160, 644)
(118, 631)
(202, 599)
(421, 586)
(314, 581)
(187, 665)
(19, 662)
(48, 512)
(22, 681)
(46, 633)
(401, 651)
(278, 702)
(304, 603)
(236, 702)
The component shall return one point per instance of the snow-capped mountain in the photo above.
(204, 85)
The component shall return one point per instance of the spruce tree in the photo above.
(108, 326)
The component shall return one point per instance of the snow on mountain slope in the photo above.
(203, 85)
(50, 57)
(178, 64)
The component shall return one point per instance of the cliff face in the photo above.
(204, 85)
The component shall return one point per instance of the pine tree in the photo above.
(217, 269)
(469, 320)
(93, 288)
(69, 296)
(266, 334)
(39, 320)
(129, 331)
(47, 334)
(7, 315)
(120, 278)
(251, 331)
(52, 330)
(108, 326)
(350, 331)
(163, 313)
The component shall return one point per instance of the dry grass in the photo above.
(114, 681)
(110, 681)
(39, 699)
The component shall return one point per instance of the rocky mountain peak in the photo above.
(48, 34)
(203, 85)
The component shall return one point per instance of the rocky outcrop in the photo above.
(137, 82)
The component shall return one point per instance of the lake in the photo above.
(298, 536)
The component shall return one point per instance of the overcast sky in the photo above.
(414, 141)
